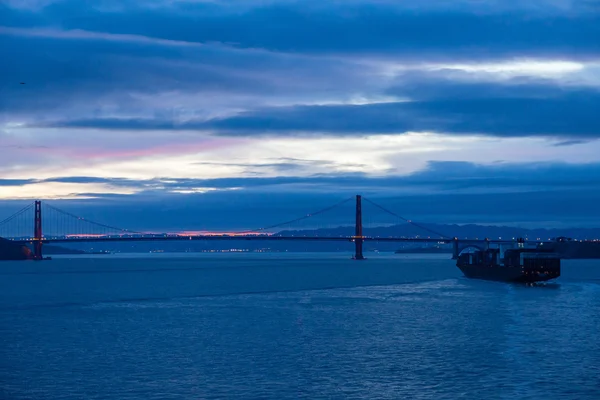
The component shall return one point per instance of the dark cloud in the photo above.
(96, 75)
(89, 179)
(283, 165)
(518, 112)
(15, 182)
(479, 110)
(570, 143)
(457, 192)
(447, 84)
(454, 176)
(315, 27)
(447, 107)
(110, 80)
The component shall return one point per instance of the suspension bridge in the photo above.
(53, 225)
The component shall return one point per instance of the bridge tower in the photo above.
(37, 232)
(358, 236)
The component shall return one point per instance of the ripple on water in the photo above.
(410, 337)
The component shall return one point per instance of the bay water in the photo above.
(288, 326)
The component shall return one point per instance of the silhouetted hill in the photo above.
(52, 249)
(470, 231)
(12, 251)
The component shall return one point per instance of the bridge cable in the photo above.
(301, 218)
(92, 222)
(405, 219)
(26, 208)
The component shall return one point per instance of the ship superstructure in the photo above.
(511, 265)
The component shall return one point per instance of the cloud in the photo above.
(286, 165)
(97, 74)
(569, 143)
(529, 110)
(16, 182)
(133, 101)
(444, 192)
(466, 30)
(130, 76)
(503, 112)
(437, 177)
(448, 84)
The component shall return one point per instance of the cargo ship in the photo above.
(513, 265)
(573, 249)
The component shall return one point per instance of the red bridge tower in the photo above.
(358, 236)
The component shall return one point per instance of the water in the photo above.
(284, 326)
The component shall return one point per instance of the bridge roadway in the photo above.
(458, 245)
(160, 238)
(167, 238)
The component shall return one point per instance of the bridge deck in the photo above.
(160, 238)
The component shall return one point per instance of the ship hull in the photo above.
(508, 274)
(574, 250)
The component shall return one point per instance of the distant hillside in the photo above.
(51, 249)
(461, 231)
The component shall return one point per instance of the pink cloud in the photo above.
(20, 154)
(142, 150)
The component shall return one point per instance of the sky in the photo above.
(229, 114)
